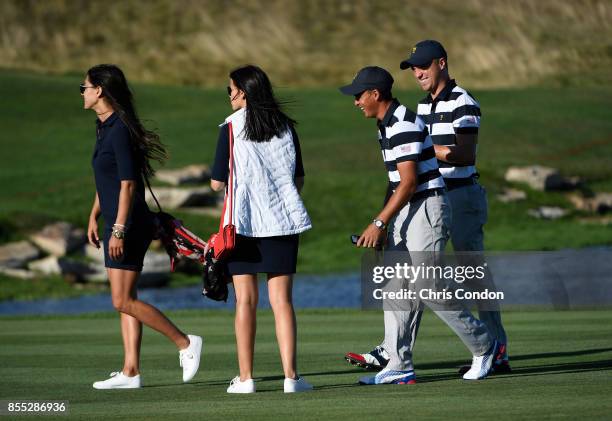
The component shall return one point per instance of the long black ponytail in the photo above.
(145, 143)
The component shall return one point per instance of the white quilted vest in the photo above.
(266, 201)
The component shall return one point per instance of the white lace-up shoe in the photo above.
(236, 386)
(189, 358)
(118, 380)
(295, 386)
(481, 365)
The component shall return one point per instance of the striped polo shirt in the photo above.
(454, 111)
(404, 137)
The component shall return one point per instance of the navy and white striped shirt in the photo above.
(454, 111)
(404, 137)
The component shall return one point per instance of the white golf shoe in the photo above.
(236, 386)
(118, 380)
(189, 358)
(481, 365)
(295, 386)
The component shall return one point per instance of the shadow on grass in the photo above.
(564, 368)
(561, 368)
(538, 370)
(514, 358)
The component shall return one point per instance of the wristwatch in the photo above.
(118, 234)
(379, 224)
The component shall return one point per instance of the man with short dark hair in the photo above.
(417, 215)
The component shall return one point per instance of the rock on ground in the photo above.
(547, 212)
(511, 195)
(600, 203)
(541, 178)
(59, 239)
(17, 254)
(185, 175)
(173, 198)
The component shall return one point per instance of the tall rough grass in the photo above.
(491, 43)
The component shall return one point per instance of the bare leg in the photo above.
(131, 331)
(245, 324)
(280, 294)
(122, 282)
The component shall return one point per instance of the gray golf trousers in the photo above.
(469, 205)
(424, 226)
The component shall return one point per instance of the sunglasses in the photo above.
(358, 96)
(83, 87)
(229, 91)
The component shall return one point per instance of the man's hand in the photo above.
(372, 237)
(92, 233)
(115, 248)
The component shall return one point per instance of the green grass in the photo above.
(47, 142)
(561, 369)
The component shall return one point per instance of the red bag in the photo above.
(224, 241)
(178, 241)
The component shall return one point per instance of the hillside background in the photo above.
(491, 43)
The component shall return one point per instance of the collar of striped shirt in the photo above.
(444, 95)
(386, 121)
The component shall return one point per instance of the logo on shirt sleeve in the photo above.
(408, 149)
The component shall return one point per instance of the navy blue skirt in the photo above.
(264, 255)
(136, 244)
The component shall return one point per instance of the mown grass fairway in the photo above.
(561, 360)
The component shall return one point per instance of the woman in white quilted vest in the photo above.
(268, 213)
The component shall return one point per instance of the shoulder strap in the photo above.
(229, 196)
(151, 191)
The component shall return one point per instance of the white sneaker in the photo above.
(299, 385)
(236, 386)
(189, 358)
(388, 376)
(481, 366)
(118, 380)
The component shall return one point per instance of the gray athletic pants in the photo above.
(469, 205)
(424, 225)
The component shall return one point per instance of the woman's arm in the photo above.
(126, 200)
(220, 170)
(217, 185)
(127, 172)
(95, 209)
(92, 227)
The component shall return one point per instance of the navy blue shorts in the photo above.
(136, 244)
(264, 255)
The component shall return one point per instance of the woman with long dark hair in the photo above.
(124, 149)
(268, 214)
